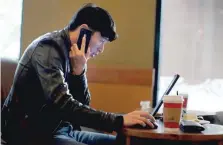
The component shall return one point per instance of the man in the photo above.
(49, 97)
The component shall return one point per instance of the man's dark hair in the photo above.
(96, 18)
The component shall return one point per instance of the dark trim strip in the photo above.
(156, 50)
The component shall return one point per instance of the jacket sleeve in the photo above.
(79, 88)
(48, 65)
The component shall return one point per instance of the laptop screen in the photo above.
(173, 82)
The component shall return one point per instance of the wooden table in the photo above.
(213, 133)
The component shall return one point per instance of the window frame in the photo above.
(156, 51)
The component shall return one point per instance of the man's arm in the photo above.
(48, 66)
(78, 87)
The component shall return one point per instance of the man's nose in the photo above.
(101, 48)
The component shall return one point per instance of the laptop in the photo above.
(170, 87)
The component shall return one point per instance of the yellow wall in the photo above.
(135, 21)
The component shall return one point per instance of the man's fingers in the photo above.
(149, 123)
(74, 49)
(88, 53)
(141, 118)
(146, 115)
(83, 44)
(146, 121)
(139, 122)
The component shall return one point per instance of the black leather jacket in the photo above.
(45, 94)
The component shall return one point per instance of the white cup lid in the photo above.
(173, 99)
(185, 95)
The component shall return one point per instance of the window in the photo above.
(10, 24)
(191, 33)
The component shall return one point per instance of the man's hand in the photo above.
(78, 58)
(138, 117)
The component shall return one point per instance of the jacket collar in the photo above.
(66, 37)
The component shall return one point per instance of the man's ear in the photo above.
(85, 26)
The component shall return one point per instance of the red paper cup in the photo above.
(172, 111)
(185, 97)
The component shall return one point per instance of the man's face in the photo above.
(97, 44)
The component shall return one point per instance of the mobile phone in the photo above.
(88, 34)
